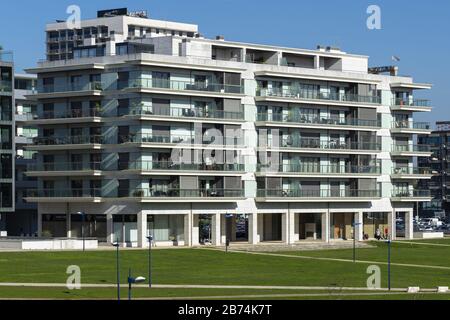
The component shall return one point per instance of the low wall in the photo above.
(47, 244)
(428, 235)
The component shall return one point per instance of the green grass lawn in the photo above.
(209, 267)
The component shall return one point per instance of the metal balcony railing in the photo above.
(68, 140)
(316, 95)
(64, 193)
(411, 193)
(411, 125)
(185, 113)
(181, 193)
(307, 143)
(167, 165)
(410, 148)
(70, 87)
(303, 119)
(180, 85)
(411, 171)
(411, 102)
(295, 193)
(65, 166)
(324, 169)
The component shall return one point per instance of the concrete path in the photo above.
(339, 260)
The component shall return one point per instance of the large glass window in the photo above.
(166, 227)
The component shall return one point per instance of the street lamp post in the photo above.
(132, 280)
(82, 228)
(150, 239)
(116, 244)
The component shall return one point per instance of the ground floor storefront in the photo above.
(193, 225)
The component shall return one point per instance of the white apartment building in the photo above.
(316, 148)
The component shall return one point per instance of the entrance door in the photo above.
(339, 226)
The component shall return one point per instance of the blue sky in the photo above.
(416, 31)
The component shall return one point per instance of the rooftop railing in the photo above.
(6, 56)
(316, 95)
(295, 193)
(303, 119)
(180, 85)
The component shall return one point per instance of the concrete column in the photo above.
(142, 230)
(316, 62)
(195, 230)
(223, 229)
(296, 227)
(326, 227)
(253, 236)
(391, 224)
(287, 227)
(216, 230)
(409, 225)
(359, 227)
(68, 225)
(110, 229)
(39, 224)
(188, 230)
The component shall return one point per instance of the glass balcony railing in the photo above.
(411, 148)
(323, 169)
(316, 95)
(68, 114)
(65, 193)
(167, 165)
(295, 193)
(411, 102)
(181, 193)
(6, 56)
(68, 140)
(71, 87)
(411, 193)
(185, 113)
(327, 144)
(411, 171)
(302, 119)
(65, 166)
(180, 85)
(411, 125)
(173, 139)
(6, 86)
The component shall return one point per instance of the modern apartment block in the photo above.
(439, 162)
(6, 136)
(151, 129)
(23, 222)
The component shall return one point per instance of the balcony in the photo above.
(66, 116)
(183, 87)
(411, 105)
(315, 122)
(411, 195)
(328, 146)
(60, 143)
(410, 150)
(167, 167)
(177, 140)
(94, 88)
(311, 96)
(140, 195)
(292, 195)
(186, 113)
(64, 168)
(176, 194)
(6, 87)
(329, 171)
(411, 173)
(64, 195)
(411, 127)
